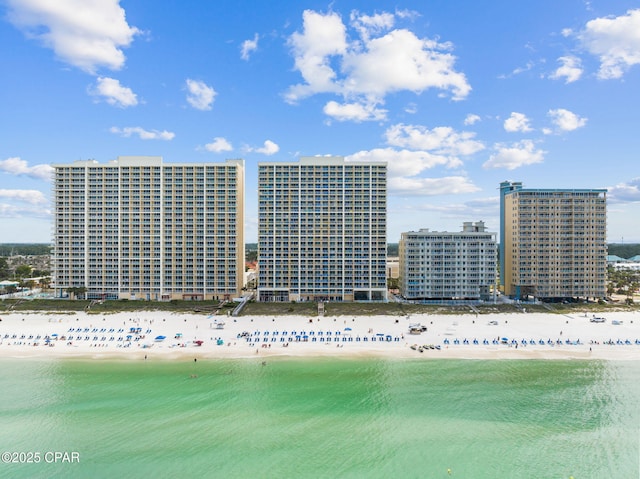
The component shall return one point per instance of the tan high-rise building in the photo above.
(553, 242)
(322, 230)
(138, 228)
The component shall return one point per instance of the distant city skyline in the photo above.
(455, 96)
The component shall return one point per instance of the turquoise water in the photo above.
(322, 418)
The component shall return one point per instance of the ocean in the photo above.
(320, 418)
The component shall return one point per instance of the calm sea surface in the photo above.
(321, 418)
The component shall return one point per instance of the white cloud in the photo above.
(566, 120)
(371, 25)
(517, 122)
(518, 154)
(218, 145)
(405, 163)
(471, 119)
(451, 185)
(87, 34)
(615, 41)
(33, 197)
(528, 66)
(200, 94)
(628, 192)
(423, 149)
(442, 139)
(18, 167)
(269, 148)
(25, 211)
(402, 61)
(570, 70)
(354, 111)
(323, 36)
(371, 62)
(248, 47)
(480, 208)
(411, 108)
(114, 93)
(142, 133)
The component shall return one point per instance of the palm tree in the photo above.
(75, 291)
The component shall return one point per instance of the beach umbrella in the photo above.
(347, 329)
(160, 338)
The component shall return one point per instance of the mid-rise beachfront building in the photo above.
(138, 228)
(553, 242)
(322, 230)
(437, 265)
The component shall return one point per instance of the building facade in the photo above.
(448, 266)
(322, 230)
(137, 228)
(553, 242)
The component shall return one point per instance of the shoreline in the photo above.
(175, 336)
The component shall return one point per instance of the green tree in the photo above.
(45, 282)
(76, 291)
(5, 271)
(23, 271)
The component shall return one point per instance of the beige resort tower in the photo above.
(138, 228)
(322, 230)
(553, 242)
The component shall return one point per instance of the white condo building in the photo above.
(322, 230)
(138, 228)
(448, 266)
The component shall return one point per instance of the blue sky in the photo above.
(457, 96)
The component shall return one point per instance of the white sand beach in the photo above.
(161, 335)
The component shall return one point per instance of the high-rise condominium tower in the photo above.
(322, 230)
(553, 243)
(137, 228)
